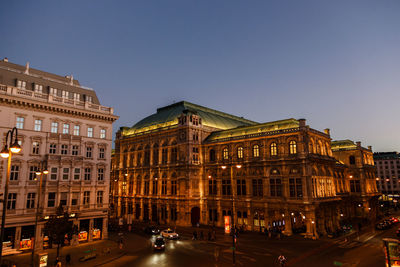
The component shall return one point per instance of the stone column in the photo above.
(17, 237)
(90, 232)
(105, 228)
(38, 238)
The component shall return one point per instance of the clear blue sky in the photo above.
(335, 63)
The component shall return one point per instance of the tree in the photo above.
(57, 227)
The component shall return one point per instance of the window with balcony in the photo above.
(38, 125)
(21, 84)
(20, 123)
(54, 127)
(53, 91)
(65, 94)
(77, 96)
(38, 88)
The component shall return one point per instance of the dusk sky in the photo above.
(335, 63)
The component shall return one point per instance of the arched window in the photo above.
(256, 151)
(155, 154)
(147, 156)
(292, 147)
(212, 155)
(274, 149)
(240, 152)
(352, 160)
(225, 153)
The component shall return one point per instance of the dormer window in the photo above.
(38, 88)
(77, 96)
(89, 98)
(53, 91)
(65, 94)
(21, 84)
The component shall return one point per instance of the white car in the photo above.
(170, 234)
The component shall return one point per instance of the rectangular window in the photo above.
(103, 133)
(64, 149)
(75, 198)
(65, 94)
(212, 187)
(86, 198)
(99, 199)
(226, 187)
(295, 187)
(88, 174)
(89, 152)
(35, 147)
(77, 96)
(20, 123)
(38, 125)
(14, 174)
(100, 174)
(102, 153)
(75, 150)
(173, 188)
(155, 187)
(51, 200)
(76, 129)
(53, 91)
(77, 173)
(30, 201)
(146, 187)
(164, 187)
(21, 84)
(89, 98)
(65, 128)
(164, 156)
(54, 127)
(53, 173)
(11, 201)
(275, 187)
(65, 175)
(89, 132)
(32, 172)
(355, 186)
(63, 199)
(53, 149)
(241, 187)
(257, 187)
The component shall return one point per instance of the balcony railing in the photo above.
(48, 98)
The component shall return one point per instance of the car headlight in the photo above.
(162, 246)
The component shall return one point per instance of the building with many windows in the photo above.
(62, 128)
(388, 172)
(188, 164)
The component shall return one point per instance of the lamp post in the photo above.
(7, 154)
(232, 216)
(39, 173)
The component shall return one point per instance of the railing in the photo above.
(10, 90)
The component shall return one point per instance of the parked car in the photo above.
(152, 230)
(170, 234)
(159, 243)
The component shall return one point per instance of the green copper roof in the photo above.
(343, 144)
(261, 128)
(168, 116)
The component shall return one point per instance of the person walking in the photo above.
(282, 260)
(68, 259)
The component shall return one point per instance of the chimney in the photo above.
(302, 122)
(327, 131)
(358, 144)
(27, 68)
(5, 59)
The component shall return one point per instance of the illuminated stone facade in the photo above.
(64, 129)
(188, 164)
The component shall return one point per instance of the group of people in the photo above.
(199, 235)
(275, 231)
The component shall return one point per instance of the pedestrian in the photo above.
(68, 259)
(194, 235)
(58, 262)
(282, 260)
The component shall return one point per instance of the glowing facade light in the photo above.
(223, 167)
(5, 153)
(45, 172)
(15, 148)
(238, 166)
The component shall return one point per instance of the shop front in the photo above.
(27, 237)
(97, 227)
(83, 234)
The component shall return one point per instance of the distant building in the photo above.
(388, 172)
(62, 128)
(188, 164)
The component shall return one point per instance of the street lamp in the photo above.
(7, 154)
(238, 166)
(39, 173)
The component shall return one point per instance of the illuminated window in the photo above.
(240, 152)
(38, 125)
(89, 132)
(274, 149)
(76, 129)
(292, 147)
(54, 127)
(225, 153)
(102, 133)
(20, 122)
(256, 151)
